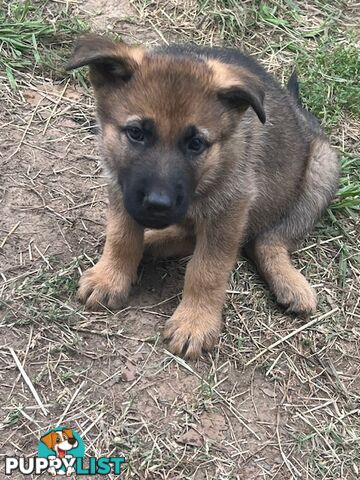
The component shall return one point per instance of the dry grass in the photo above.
(279, 397)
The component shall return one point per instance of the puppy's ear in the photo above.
(49, 440)
(238, 88)
(109, 62)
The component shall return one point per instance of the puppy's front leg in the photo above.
(196, 323)
(108, 283)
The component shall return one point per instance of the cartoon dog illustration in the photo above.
(61, 442)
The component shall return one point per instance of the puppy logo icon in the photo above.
(61, 451)
(61, 444)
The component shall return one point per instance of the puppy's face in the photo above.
(60, 441)
(164, 120)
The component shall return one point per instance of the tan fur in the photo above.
(174, 241)
(225, 76)
(289, 286)
(196, 323)
(108, 283)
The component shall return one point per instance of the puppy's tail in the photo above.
(293, 87)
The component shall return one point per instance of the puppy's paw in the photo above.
(103, 286)
(298, 297)
(189, 332)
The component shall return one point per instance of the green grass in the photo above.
(11, 419)
(348, 197)
(29, 41)
(237, 20)
(330, 81)
(44, 295)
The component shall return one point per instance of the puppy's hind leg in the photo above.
(289, 286)
(270, 250)
(174, 241)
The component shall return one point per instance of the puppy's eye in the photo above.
(135, 134)
(58, 439)
(196, 145)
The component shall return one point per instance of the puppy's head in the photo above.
(164, 121)
(60, 441)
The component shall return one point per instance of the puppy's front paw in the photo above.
(103, 286)
(189, 331)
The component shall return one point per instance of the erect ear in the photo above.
(238, 88)
(49, 440)
(109, 62)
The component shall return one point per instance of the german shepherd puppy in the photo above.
(205, 152)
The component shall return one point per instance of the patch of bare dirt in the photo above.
(105, 14)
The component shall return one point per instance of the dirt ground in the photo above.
(293, 412)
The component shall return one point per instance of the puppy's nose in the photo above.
(72, 440)
(157, 202)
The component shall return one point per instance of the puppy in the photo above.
(60, 442)
(205, 153)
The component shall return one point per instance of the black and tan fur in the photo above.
(261, 179)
